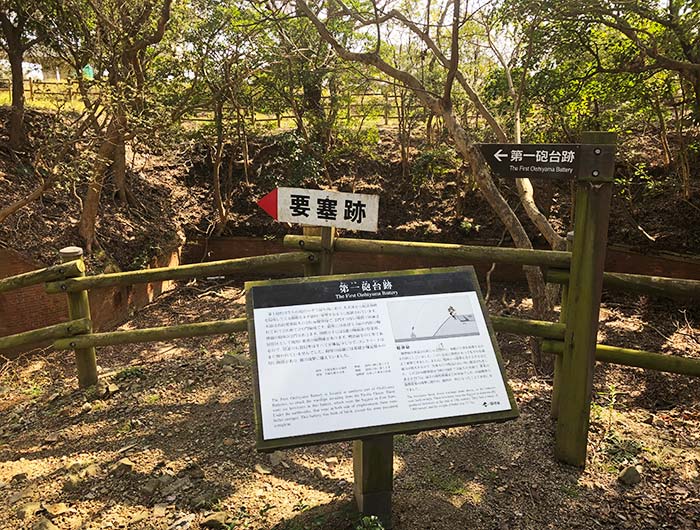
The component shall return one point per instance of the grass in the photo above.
(44, 102)
(129, 373)
(151, 399)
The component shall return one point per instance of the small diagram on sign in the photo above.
(431, 318)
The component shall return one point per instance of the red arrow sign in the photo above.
(269, 203)
(351, 211)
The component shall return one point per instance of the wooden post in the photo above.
(373, 467)
(373, 458)
(313, 268)
(386, 109)
(593, 193)
(79, 307)
(556, 381)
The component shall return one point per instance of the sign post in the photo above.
(592, 211)
(591, 165)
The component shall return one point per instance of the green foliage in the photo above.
(433, 162)
(295, 162)
(351, 142)
(370, 522)
(129, 373)
(467, 225)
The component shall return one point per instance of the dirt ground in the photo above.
(173, 441)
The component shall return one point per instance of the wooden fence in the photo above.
(572, 340)
(360, 105)
(76, 334)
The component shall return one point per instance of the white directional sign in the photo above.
(353, 211)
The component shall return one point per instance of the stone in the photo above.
(319, 473)
(55, 510)
(159, 510)
(87, 407)
(228, 442)
(28, 510)
(51, 438)
(101, 389)
(138, 517)
(262, 469)
(91, 471)
(151, 486)
(232, 359)
(194, 471)
(112, 388)
(630, 476)
(201, 502)
(72, 483)
(332, 460)
(19, 477)
(217, 520)
(44, 524)
(183, 522)
(276, 458)
(123, 467)
(19, 495)
(177, 486)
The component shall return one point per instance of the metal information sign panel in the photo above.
(533, 160)
(345, 357)
(353, 211)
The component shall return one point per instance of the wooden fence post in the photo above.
(556, 381)
(373, 467)
(593, 194)
(386, 109)
(79, 307)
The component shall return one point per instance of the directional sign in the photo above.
(533, 160)
(353, 211)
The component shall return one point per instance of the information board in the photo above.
(343, 357)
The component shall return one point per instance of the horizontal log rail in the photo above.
(469, 253)
(534, 328)
(49, 274)
(636, 358)
(64, 329)
(199, 329)
(656, 285)
(181, 272)
(518, 326)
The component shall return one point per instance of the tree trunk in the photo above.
(216, 173)
(470, 152)
(119, 169)
(17, 135)
(91, 203)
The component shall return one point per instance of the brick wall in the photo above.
(28, 308)
(31, 308)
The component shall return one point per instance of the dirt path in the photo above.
(173, 441)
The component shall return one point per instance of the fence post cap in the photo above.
(70, 253)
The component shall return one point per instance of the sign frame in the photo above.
(411, 427)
